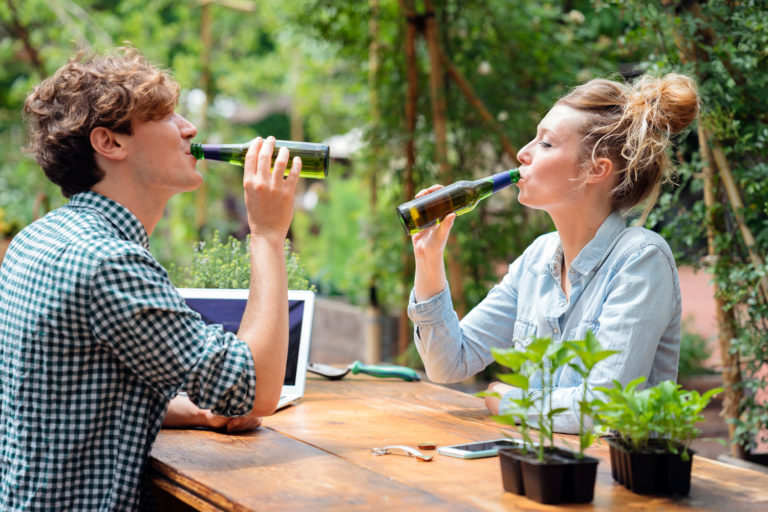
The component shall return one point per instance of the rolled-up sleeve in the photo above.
(140, 317)
(453, 350)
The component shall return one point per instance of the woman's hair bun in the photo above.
(668, 103)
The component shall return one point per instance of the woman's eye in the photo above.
(545, 144)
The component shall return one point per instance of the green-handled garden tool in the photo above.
(376, 370)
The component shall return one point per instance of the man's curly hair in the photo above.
(92, 91)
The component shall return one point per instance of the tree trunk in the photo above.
(726, 320)
(439, 122)
(373, 325)
(201, 195)
(412, 96)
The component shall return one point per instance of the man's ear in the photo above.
(602, 169)
(107, 143)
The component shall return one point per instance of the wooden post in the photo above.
(437, 93)
(726, 320)
(412, 97)
(206, 84)
(373, 341)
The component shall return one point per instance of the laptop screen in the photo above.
(229, 311)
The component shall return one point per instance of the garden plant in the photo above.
(548, 474)
(652, 430)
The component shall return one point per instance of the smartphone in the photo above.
(478, 449)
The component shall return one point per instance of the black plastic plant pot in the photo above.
(580, 480)
(654, 472)
(560, 478)
(511, 470)
(544, 482)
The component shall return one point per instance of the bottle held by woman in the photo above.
(459, 198)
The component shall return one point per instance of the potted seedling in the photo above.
(651, 433)
(541, 471)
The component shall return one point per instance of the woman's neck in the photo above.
(576, 230)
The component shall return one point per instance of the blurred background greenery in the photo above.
(413, 92)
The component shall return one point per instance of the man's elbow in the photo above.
(265, 405)
(264, 409)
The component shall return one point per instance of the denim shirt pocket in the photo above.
(523, 333)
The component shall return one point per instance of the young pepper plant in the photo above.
(665, 412)
(534, 369)
(588, 352)
(539, 360)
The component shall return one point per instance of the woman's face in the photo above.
(552, 177)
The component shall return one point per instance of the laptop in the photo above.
(226, 306)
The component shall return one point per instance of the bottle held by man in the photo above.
(314, 157)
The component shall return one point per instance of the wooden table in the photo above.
(316, 455)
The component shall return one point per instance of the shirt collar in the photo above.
(591, 255)
(597, 249)
(120, 217)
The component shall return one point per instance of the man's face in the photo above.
(159, 153)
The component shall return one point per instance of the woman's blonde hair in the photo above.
(631, 124)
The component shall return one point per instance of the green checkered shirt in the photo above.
(94, 342)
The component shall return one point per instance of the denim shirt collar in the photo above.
(117, 215)
(594, 253)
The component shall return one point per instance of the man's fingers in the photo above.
(265, 157)
(281, 162)
(252, 154)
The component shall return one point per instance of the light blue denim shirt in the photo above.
(624, 286)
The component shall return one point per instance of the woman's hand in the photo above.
(430, 243)
(428, 249)
(491, 402)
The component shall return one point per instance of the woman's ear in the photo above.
(107, 143)
(602, 169)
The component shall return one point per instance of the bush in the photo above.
(226, 264)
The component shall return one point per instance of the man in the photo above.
(95, 342)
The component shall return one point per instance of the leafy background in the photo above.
(317, 69)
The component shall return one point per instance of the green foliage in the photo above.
(665, 412)
(517, 64)
(314, 55)
(537, 364)
(694, 352)
(723, 44)
(7, 228)
(227, 264)
(588, 352)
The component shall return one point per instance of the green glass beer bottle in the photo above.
(460, 197)
(314, 157)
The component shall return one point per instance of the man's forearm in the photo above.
(265, 322)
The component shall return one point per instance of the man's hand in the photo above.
(243, 423)
(268, 196)
(183, 413)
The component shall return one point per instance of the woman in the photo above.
(598, 153)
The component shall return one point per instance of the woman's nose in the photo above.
(523, 156)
